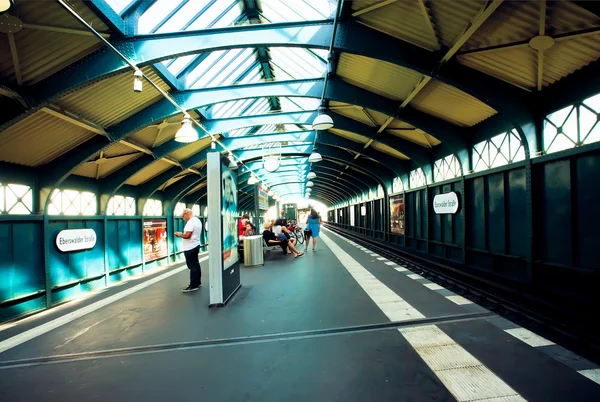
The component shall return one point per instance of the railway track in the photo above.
(557, 322)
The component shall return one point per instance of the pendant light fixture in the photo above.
(137, 80)
(311, 175)
(310, 184)
(186, 133)
(252, 180)
(5, 5)
(232, 163)
(323, 121)
(271, 193)
(315, 156)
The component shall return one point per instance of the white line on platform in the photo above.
(65, 319)
(459, 300)
(415, 276)
(390, 263)
(462, 374)
(529, 337)
(433, 286)
(592, 374)
(401, 269)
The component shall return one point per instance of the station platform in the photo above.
(341, 323)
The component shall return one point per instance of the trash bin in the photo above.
(253, 251)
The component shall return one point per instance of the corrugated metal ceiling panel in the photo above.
(42, 52)
(39, 139)
(568, 56)
(351, 111)
(513, 21)
(415, 135)
(348, 135)
(388, 150)
(451, 104)
(380, 77)
(99, 104)
(190, 149)
(198, 187)
(516, 65)
(96, 170)
(451, 18)
(415, 26)
(150, 171)
(117, 149)
(157, 134)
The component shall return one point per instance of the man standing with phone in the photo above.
(191, 248)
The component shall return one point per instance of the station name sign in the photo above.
(76, 239)
(445, 203)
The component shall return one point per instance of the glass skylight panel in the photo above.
(297, 104)
(183, 16)
(296, 63)
(229, 109)
(119, 5)
(261, 106)
(155, 14)
(179, 64)
(240, 132)
(267, 129)
(297, 10)
(224, 71)
(253, 76)
(203, 67)
(219, 14)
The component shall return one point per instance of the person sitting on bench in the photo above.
(272, 240)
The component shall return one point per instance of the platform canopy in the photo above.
(405, 82)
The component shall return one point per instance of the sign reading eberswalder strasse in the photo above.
(445, 203)
(76, 239)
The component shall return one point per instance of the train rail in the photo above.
(556, 321)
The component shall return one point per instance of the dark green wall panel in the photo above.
(586, 212)
(517, 222)
(476, 213)
(496, 217)
(21, 259)
(555, 215)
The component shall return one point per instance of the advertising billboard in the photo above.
(397, 214)
(155, 239)
(263, 199)
(230, 221)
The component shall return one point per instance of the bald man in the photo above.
(191, 248)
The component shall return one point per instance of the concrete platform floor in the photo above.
(341, 323)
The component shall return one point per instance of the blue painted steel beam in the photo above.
(351, 37)
(217, 126)
(106, 13)
(335, 185)
(241, 142)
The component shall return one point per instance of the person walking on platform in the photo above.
(313, 224)
(191, 248)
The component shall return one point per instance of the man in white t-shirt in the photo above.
(191, 248)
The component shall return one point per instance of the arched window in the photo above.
(179, 207)
(397, 185)
(417, 178)
(196, 209)
(572, 126)
(71, 202)
(446, 168)
(498, 151)
(153, 208)
(15, 199)
(380, 193)
(121, 206)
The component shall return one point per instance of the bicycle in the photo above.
(297, 232)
